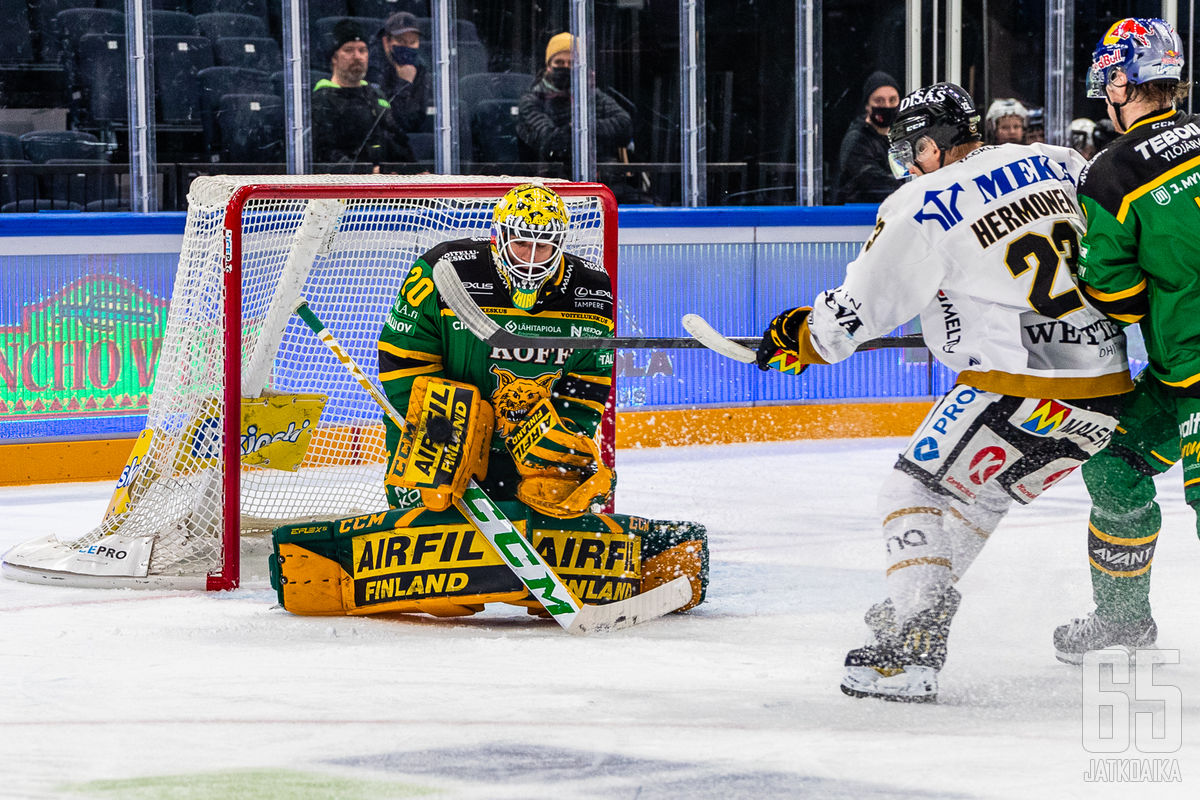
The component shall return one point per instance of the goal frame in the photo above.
(228, 577)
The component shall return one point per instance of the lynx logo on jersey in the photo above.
(941, 206)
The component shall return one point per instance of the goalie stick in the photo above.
(487, 330)
(517, 553)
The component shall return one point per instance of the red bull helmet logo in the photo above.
(1127, 28)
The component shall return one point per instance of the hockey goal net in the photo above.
(252, 422)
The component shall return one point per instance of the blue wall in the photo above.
(736, 267)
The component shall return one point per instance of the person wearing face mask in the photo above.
(544, 124)
(863, 173)
(406, 80)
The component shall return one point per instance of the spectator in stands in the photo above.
(407, 83)
(1005, 121)
(1035, 126)
(351, 119)
(544, 124)
(863, 172)
(1083, 132)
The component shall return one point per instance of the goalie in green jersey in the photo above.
(522, 422)
(1139, 262)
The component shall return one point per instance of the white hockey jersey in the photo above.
(983, 250)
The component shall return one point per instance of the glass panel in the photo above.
(64, 129)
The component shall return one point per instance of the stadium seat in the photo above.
(101, 70)
(32, 206)
(173, 23)
(318, 9)
(422, 145)
(43, 14)
(251, 52)
(41, 146)
(10, 148)
(78, 180)
(476, 88)
(215, 83)
(313, 75)
(16, 37)
(177, 64)
(251, 127)
(16, 183)
(256, 8)
(218, 24)
(107, 204)
(467, 32)
(494, 131)
(382, 9)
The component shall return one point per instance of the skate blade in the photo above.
(910, 685)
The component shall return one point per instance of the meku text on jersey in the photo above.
(942, 205)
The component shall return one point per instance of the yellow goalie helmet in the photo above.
(529, 227)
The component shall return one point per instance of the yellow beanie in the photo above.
(558, 43)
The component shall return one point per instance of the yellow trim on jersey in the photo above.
(613, 525)
(497, 311)
(916, 562)
(1123, 211)
(1104, 537)
(1037, 386)
(980, 532)
(1185, 382)
(411, 372)
(1120, 574)
(1113, 296)
(1149, 120)
(1164, 459)
(604, 380)
(1128, 319)
(419, 355)
(1192, 482)
(904, 512)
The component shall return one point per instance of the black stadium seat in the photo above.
(41, 146)
(44, 13)
(215, 83)
(173, 23)
(217, 24)
(102, 66)
(251, 52)
(494, 131)
(177, 64)
(255, 8)
(16, 38)
(251, 128)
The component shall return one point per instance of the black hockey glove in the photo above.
(782, 334)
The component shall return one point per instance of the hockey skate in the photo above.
(903, 667)
(1073, 641)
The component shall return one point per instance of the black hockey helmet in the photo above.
(944, 113)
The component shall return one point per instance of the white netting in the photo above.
(179, 498)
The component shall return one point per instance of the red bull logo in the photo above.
(1127, 28)
(1172, 57)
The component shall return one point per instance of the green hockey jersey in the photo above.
(1140, 258)
(422, 336)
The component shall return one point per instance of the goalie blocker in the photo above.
(428, 558)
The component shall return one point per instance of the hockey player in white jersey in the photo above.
(981, 244)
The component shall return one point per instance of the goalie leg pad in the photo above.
(445, 442)
(562, 474)
(674, 548)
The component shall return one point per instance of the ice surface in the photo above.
(149, 694)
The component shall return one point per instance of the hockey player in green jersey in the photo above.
(522, 422)
(1139, 263)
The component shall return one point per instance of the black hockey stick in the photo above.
(487, 330)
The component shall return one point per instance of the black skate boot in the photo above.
(1073, 641)
(903, 668)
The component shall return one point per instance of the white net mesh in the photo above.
(348, 260)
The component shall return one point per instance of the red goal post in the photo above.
(307, 441)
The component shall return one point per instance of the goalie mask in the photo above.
(1141, 50)
(529, 227)
(943, 114)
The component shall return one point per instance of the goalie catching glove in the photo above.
(786, 344)
(445, 442)
(560, 467)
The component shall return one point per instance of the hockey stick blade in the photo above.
(487, 330)
(630, 611)
(734, 348)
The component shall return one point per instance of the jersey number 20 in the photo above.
(1043, 254)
